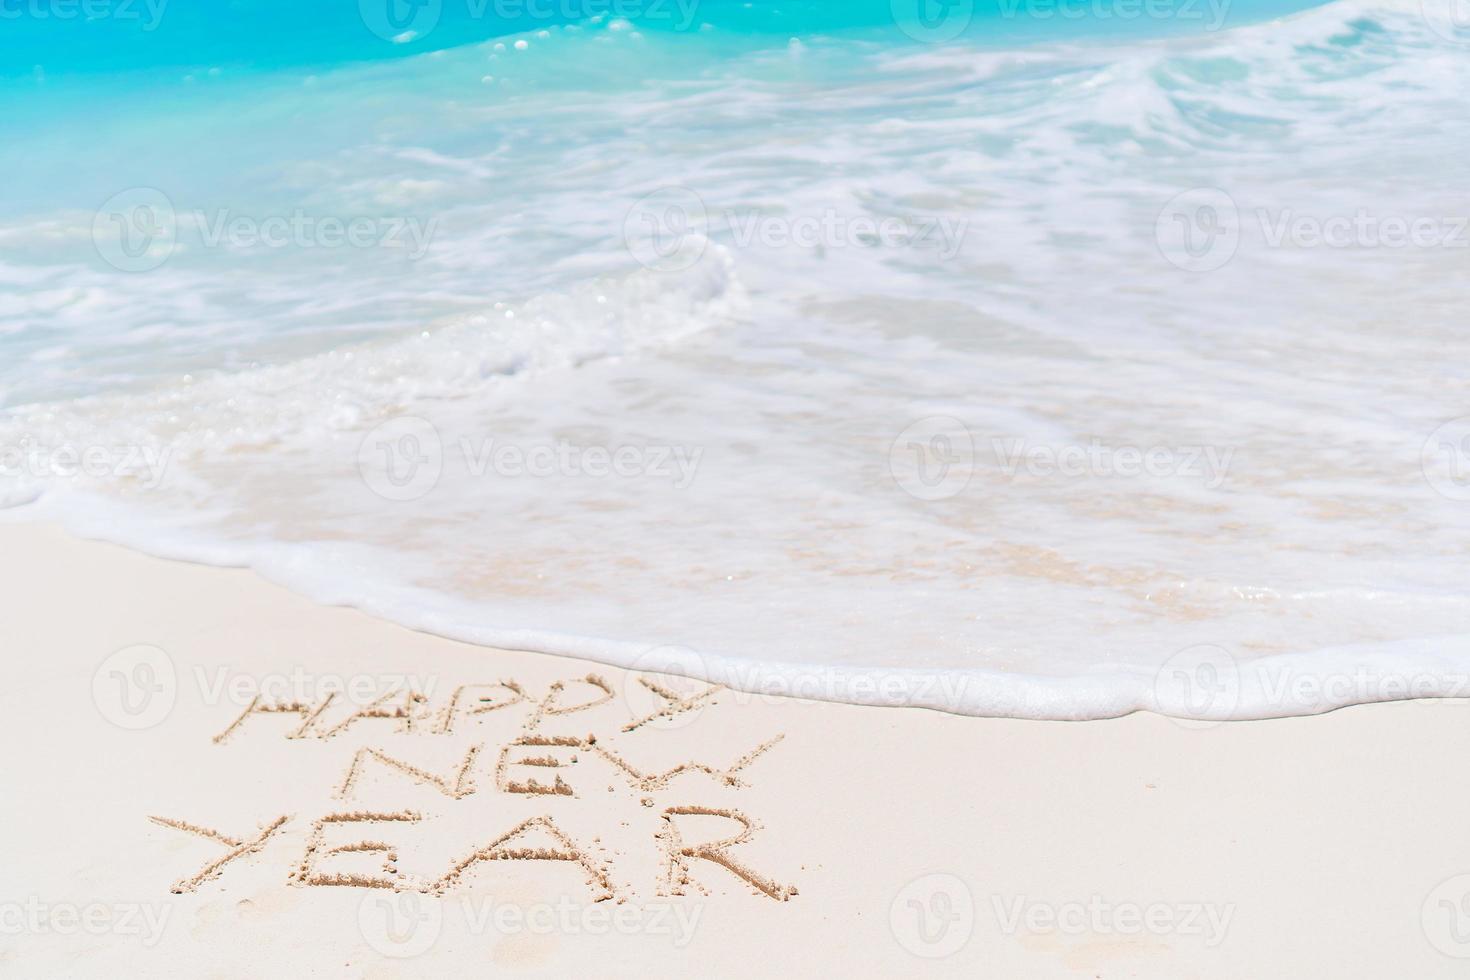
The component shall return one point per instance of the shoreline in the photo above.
(881, 841)
(1204, 682)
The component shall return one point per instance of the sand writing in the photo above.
(351, 846)
(679, 855)
(238, 849)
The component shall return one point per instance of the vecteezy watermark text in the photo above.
(144, 921)
(148, 13)
(831, 229)
(404, 21)
(678, 14)
(299, 229)
(1205, 684)
(935, 915)
(403, 459)
(1361, 229)
(677, 463)
(934, 458)
(1201, 230)
(137, 687)
(1098, 916)
(1206, 463)
(29, 457)
(1211, 13)
(667, 230)
(408, 924)
(139, 229)
(225, 686)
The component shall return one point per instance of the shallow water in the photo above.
(1055, 369)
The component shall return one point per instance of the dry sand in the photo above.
(798, 838)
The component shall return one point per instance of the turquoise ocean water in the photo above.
(1020, 357)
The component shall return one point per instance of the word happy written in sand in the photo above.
(543, 761)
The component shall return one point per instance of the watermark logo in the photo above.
(1445, 459)
(1199, 684)
(934, 458)
(399, 925)
(135, 230)
(136, 687)
(666, 230)
(932, 21)
(1450, 19)
(661, 689)
(1445, 917)
(402, 459)
(400, 21)
(1199, 230)
(933, 916)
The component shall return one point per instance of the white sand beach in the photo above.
(728, 488)
(808, 837)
